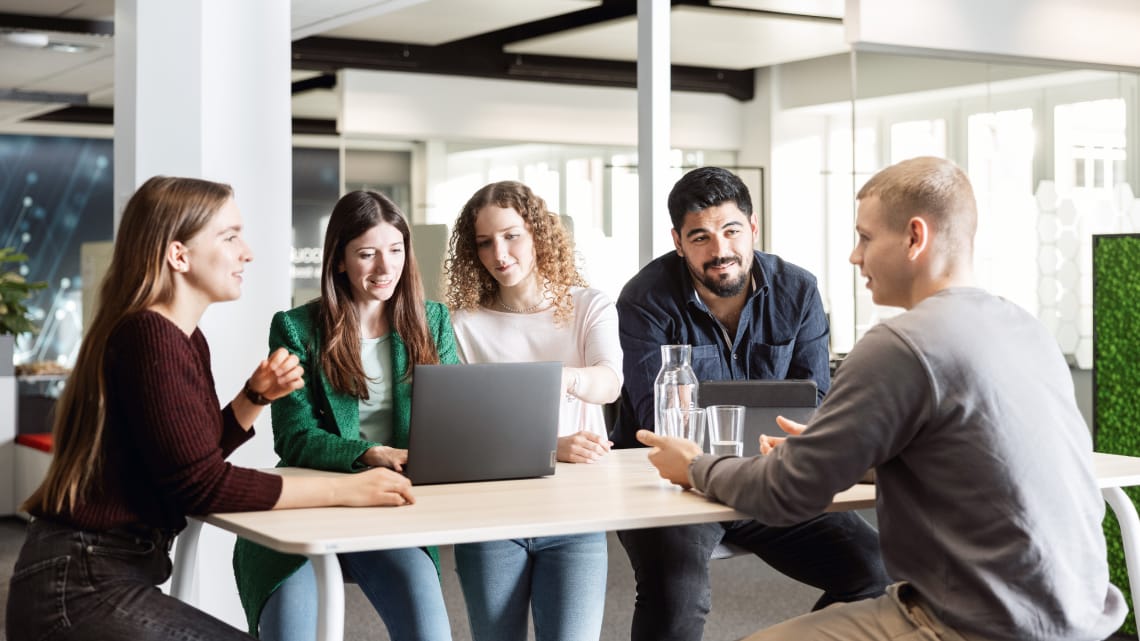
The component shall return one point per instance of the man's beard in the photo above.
(723, 287)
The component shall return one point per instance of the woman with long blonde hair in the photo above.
(516, 295)
(140, 440)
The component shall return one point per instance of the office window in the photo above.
(918, 138)
(1000, 149)
(1089, 141)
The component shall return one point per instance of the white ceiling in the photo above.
(439, 21)
(700, 37)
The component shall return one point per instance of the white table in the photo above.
(622, 491)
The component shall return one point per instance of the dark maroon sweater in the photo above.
(165, 438)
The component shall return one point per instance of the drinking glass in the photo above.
(687, 423)
(726, 425)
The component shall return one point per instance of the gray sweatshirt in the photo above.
(987, 502)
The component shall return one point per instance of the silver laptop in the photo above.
(763, 400)
(483, 422)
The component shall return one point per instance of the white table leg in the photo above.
(330, 597)
(186, 562)
(1126, 516)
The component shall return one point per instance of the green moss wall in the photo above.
(1116, 372)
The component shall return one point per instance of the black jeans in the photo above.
(837, 553)
(96, 586)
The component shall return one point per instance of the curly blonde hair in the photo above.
(470, 285)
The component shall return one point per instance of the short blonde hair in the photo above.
(934, 188)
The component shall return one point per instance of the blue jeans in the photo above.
(837, 553)
(562, 578)
(71, 584)
(402, 585)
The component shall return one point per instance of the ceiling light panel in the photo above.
(82, 77)
(12, 111)
(701, 37)
(821, 8)
(86, 9)
(47, 70)
(438, 21)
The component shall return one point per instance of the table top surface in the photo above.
(1116, 470)
(621, 491)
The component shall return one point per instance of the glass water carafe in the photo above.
(675, 386)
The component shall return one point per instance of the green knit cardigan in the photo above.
(318, 427)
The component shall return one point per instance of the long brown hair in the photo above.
(354, 214)
(470, 285)
(162, 211)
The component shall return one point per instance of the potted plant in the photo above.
(14, 291)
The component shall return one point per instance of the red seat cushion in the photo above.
(40, 442)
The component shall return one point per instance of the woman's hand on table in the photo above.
(378, 486)
(583, 447)
(384, 456)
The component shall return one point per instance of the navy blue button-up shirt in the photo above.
(782, 332)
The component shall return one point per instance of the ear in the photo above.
(677, 242)
(918, 237)
(754, 225)
(177, 257)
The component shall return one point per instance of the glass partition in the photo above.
(1047, 150)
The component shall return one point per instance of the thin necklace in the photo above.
(525, 310)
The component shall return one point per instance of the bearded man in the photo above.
(748, 315)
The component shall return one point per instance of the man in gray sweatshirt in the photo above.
(989, 512)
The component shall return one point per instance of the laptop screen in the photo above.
(483, 422)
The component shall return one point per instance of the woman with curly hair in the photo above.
(516, 295)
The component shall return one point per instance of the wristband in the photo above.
(254, 397)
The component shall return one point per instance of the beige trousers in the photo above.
(895, 616)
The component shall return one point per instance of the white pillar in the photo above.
(429, 178)
(202, 89)
(653, 86)
(8, 418)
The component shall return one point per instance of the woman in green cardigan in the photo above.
(358, 343)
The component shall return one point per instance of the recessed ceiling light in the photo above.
(69, 47)
(28, 39)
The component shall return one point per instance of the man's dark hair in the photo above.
(707, 187)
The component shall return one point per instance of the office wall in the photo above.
(827, 80)
(1089, 32)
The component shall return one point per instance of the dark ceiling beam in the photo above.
(323, 81)
(24, 22)
(608, 10)
(329, 55)
(86, 115)
(106, 116)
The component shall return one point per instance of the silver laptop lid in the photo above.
(483, 422)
